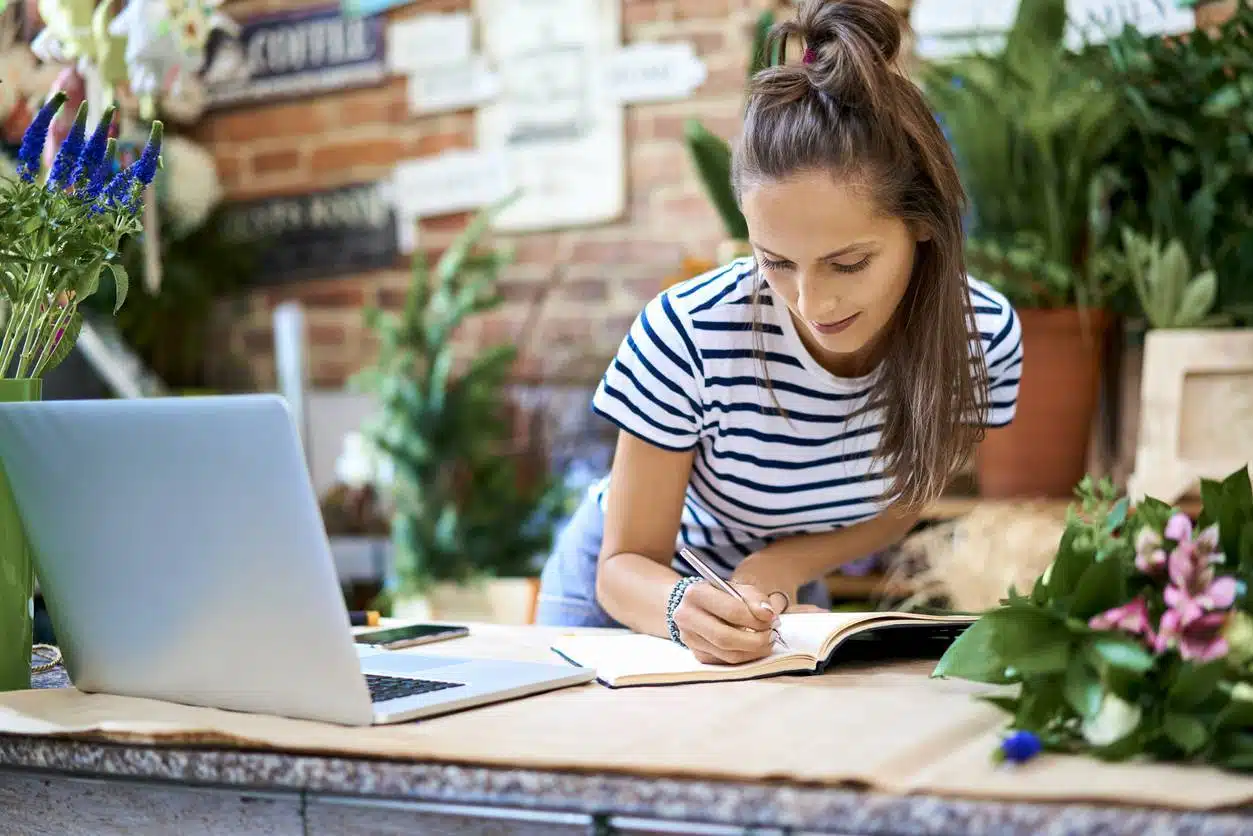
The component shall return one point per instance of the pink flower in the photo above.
(1193, 589)
(1150, 556)
(1200, 639)
(1132, 617)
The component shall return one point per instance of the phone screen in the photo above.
(407, 633)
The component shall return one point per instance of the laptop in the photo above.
(181, 553)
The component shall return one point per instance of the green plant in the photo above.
(1170, 295)
(1185, 165)
(1031, 130)
(59, 232)
(462, 509)
(1137, 641)
(711, 155)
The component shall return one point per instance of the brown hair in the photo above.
(847, 110)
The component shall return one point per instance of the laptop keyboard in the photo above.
(383, 688)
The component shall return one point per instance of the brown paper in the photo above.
(890, 728)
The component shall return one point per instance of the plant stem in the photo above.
(67, 313)
(32, 324)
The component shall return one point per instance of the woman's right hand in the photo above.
(719, 629)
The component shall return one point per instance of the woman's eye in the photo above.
(852, 268)
(772, 264)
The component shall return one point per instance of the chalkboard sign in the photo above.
(320, 234)
(293, 53)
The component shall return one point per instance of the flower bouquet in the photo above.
(1136, 642)
(58, 233)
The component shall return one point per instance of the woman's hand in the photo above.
(719, 629)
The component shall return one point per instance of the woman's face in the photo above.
(840, 265)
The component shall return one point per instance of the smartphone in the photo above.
(393, 638)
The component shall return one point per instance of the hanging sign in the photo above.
(294, 53)
(643, 72)
(350, 229)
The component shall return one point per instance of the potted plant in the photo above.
(60, 229)
(467, 523)
(1031, 128)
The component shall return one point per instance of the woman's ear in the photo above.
(922, 233)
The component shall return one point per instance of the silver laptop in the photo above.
(180, 550)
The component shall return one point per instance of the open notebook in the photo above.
(815, 641)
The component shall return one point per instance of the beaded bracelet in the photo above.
(676, 598)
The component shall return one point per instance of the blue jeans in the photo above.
(567, 590)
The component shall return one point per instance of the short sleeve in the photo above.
(1003, 352)
(652, 388)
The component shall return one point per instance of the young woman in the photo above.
(793, 411)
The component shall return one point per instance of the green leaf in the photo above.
(712, 157)
(1198, 298)
(1124, 654)
(1237, 714)
(1117, 515)
(1102, 587)
(121, 284)
(1069, 565)
(1082, 687)
(1245, 552)
(971, 656)
(1194, 683)
(1030, 641)
(1186, 732)
(1043, 699)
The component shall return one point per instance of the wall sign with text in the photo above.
(351, 229)
(292, 54)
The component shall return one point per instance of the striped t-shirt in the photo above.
(688, 375)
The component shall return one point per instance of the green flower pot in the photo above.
(17, 572)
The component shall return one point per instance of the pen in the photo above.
(363, 618)
(708, 574)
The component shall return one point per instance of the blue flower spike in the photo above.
(94, 153)
(30, 154)
(1019, 747)
(67, 157)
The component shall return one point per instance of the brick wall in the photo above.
(357, 135)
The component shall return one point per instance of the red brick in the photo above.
(454, 222)
(708, 44)
(671, 126)
(732, 79)
(585, 290)
(270, 162)
(328, 293)
(625, 251)
(642, 11)
(703, 9)
(288, 119)
(325, 334)
(331, 374)
(375, 105)
(436, 143)
(348, 155)
(229, 167)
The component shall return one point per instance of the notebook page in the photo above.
(806, 632)
(631, 654)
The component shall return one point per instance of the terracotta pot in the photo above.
(1213, 14)
(1044, 452)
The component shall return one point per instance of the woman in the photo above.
(794, 411)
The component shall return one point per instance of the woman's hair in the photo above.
(845, 109)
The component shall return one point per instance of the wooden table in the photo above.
(77, 788)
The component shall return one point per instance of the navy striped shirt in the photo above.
(688, 376)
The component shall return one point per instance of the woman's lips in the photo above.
(829, 328)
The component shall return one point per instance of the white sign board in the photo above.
(557, 127)
(647, 71)
(429, 40)
(454, 181)
(453, 87)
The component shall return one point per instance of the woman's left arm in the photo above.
(788, 564)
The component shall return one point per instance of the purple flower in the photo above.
(145, 168)
(30, 154)
(1150, 556)
(124, 189)
(67, 157)
(92, 158)
(1020, 747)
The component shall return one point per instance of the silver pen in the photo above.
(710, 575)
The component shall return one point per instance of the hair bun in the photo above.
(851, 25)
(851, 48)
